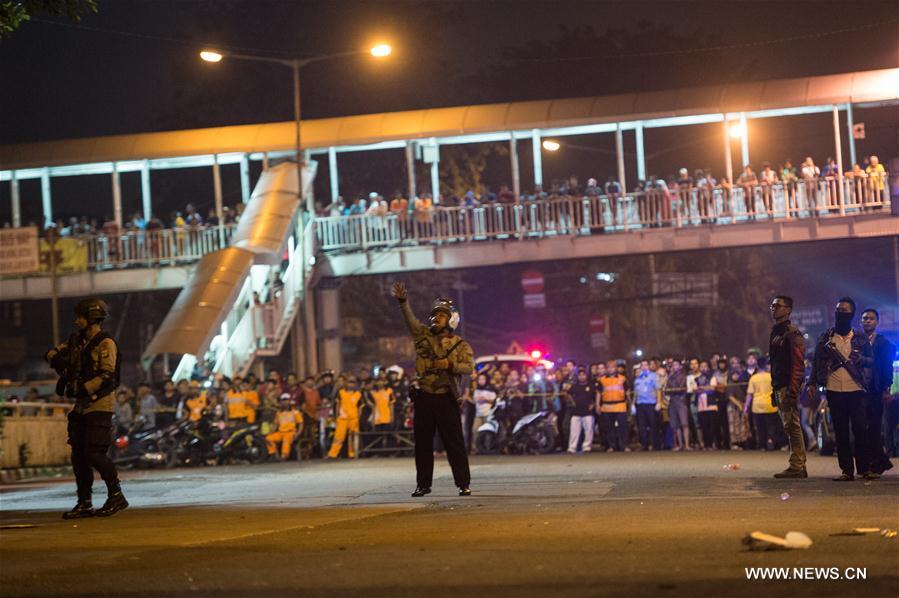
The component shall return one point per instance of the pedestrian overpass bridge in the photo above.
(246, 288)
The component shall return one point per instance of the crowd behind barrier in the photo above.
(566, 208)
(716, 404)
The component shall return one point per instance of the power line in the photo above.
(175, 40)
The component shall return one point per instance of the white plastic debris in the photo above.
(762, 541)
(785, 496)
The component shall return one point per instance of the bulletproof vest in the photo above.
(88, 370)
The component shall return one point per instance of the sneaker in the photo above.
(113, 505)
(871, 475)
(82, 509)
(846, 477)
(466, 491)
(627, 449)
(610, 450)
(421, 491)
(790, 473)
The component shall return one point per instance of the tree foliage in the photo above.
(14, 14)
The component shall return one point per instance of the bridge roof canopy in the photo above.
(368, 129)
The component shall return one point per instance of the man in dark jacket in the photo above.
(787, 353)
(842, 364)
(879, 393)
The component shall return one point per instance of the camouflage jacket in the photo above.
(432, 347)
(102, 360)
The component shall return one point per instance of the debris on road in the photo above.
(762, 541)
(864, 531)
(785, 496)
(732, 467)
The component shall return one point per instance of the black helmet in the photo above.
(449, 308)
(93, 310)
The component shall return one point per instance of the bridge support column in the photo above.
(245, 178)
(435, 173)
(728, 159)
(619, 156)
(46, 198)
(538, 157)
(217, 189)
(516, 172)
(838, 150)
(744, 140)
(311, 332)
(116, 195)
(146, 197)
(15, 199)
(328, 299)
(333, 174)
(641, 157)
(410, 172)
(849, 124)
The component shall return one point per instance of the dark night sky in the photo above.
(116, 73)
(133, 67)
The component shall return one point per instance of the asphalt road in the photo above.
(589, 525)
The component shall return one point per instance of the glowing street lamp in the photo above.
(211, 56)
(381, 50)
(551, 146)
(737, 131)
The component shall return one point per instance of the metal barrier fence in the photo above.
(693, 206)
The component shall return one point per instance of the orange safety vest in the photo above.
(288, 421)
(613, 399)
(348, 402)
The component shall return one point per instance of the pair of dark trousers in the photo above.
(765, 429)
(89, 436)
(439, 412)
(646, 425)
(708, 422)
(788, 407)
(615, 438)
(847, 410)
(876, 455)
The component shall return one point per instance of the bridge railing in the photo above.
(658, 207)
(153, 248)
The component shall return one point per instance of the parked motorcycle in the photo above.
(208, 442)
(138, 448)
(534, 433)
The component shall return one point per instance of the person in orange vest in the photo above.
(382, 403)
(288, 423)
(252, 402)
(235, 402)
(613, 409)
(196, 405)
(348, 399)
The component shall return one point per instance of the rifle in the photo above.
(846, 364)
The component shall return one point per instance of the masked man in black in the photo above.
(879, 393)
(441, 361)
(787, 352)
(88, 365)
(842, 364)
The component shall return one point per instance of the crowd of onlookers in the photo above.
(719, 403)
(872, 175)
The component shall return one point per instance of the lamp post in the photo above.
(306, 314)
(295, 64)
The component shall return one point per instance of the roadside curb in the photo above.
(9, 476)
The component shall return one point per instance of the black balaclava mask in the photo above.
(843, 322)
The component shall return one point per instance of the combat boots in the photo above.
(115, 503)
(84, 508)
